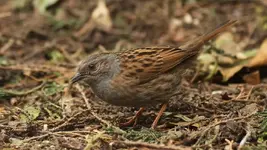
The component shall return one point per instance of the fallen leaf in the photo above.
(55, 56)
(208, 64)
(184, 118)
(238, 64)
(2, 108)
(100, 19)
(52, 88)
(67, 102)
(261, 57)
(21, 4)
(101, 16)
(31, 113)
(187, 121)
(42, 5)
(252, 78)
(227, 73)
(206, 59)
(225, 58)
(226, 42)
(249, 109)
(16, 142)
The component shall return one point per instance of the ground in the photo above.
(42, 42)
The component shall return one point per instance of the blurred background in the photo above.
(42, 41)
(61, 32)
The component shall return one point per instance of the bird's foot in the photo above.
(155, 122)
(134, 119)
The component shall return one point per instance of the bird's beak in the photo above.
(77, 77)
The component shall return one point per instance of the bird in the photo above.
(141, 77)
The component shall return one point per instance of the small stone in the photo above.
(196, 22)
(13, 101)
(188, 19)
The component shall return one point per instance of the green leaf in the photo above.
(52, 88)
(4, 94)
(21, 4)
(42, 5)
(56, 56)
(184, 118)
(145, 134)
(16, 142)
(3, 61)
(31, 113)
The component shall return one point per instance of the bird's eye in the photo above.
(92, 67)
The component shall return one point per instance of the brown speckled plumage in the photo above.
(141, 76)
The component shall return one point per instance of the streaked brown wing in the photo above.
(144, 64)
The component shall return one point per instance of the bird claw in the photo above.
(134, 119)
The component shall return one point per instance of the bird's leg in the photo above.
(133, 120)
(155, 122)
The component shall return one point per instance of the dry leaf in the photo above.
(42, 5)
(2, 109)
(261, 57)
(252, 78)
(249, 109)
(100, 19)
(236, 65)
(101, 16)
(227, 73)
(67, 101)
(226, 42)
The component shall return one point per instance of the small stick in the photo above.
(221, 122)
(6, 46)
(89, 107)
(17, 93)
(142, 145)
(244, 140)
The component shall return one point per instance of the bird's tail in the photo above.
(194, 45)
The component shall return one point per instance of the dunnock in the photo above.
(142, 76)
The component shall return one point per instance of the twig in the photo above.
(241, 93)
(36, 137)
(239, 101)
(200, 108)
(5, 14)
(244, 140)
(36, 68)
(47, 133)
(67, 121)
(140, 145)
(46, 46)
(220, 122)
(6, 46)
(249, 93)
(91, 140)
(17, 93)
(216, 131)
(195, 76)
(72, 133)
(230, 144)
(67, 55)
(89, 107)
(87, 28)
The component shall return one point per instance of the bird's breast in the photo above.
(158, 90)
